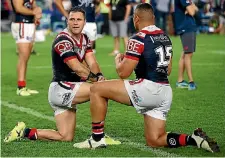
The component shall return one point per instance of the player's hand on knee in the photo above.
(100, 77)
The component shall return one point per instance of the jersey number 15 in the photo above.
(164, 53)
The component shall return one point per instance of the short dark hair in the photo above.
(77, 9)
(145, 7)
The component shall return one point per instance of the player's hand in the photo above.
(37, 22)
(37, 12)
(119, 58)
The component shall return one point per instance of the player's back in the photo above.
(155, 51)
(22, 18)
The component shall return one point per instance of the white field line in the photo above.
(195, 64)
(221, 52)
(139, 146)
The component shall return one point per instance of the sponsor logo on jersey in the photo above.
(63, 47)
(161, 38)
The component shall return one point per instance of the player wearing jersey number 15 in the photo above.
(149, 54)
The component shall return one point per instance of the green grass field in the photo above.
(190, 109)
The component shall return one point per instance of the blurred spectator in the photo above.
(186, 28)
(163, 8)
(104, 11)
(6, 18)
(217, 24)
(57, 20)
(118, 18)
(205, 17)
(99, 19)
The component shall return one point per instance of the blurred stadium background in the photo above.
(201, 108)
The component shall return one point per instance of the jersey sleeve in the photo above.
(135, 48)
(88, 48)
(64, 47)
(185, 3)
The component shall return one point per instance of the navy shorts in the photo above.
(188, 41)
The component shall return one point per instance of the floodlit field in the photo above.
(190, 109)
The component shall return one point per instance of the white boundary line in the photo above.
(139, 146)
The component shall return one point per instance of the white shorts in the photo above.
(61, 95)
(23, 32)
(150, 98)
(90, 29)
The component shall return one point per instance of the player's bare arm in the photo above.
(124, 66)
(61, 8)
(93, 65)
(38, 13)
(81, 70)
(19, 7)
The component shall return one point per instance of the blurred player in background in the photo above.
(149, 54)
(90, 27)
(70, 50)
(27, 15)
(119, 12)
(186, 27)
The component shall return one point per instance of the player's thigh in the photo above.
(153, 128)
(24, 49)
(83, 93)
(111, 89)
(61, 95)
(66, 123)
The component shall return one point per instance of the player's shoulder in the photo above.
(63, 36)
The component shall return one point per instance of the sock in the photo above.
(21, 84)
(175, 140)
(30, 133)
(191, 82)
(98, 130)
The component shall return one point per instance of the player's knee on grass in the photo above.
(152, 142)
(67, 137)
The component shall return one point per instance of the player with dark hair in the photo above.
(149, 54)
(90, 27)
(70, 50)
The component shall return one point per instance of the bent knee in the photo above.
(67, 139)
(94, 88)
(152, 142)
